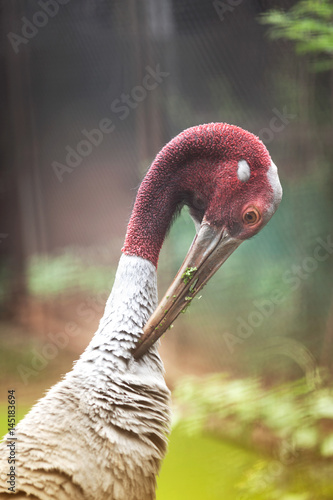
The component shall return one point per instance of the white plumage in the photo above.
(100, 433)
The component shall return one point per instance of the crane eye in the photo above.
(251, 216)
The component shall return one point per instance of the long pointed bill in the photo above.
(210, 249)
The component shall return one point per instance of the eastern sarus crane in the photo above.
(101, 432)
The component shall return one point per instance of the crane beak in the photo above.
(210, 249)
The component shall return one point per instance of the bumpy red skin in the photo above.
(202, 161)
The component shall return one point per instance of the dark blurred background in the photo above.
(69, 68)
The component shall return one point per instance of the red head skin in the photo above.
(199, 168)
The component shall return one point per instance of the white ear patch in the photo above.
(243, 171)
(274, 181)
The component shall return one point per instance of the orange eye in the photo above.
(251, 216)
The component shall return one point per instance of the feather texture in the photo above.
(101, 432)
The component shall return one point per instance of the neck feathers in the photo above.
(132, 301)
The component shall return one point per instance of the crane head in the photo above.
(232, 188)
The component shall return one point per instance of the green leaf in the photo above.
(323, 406)
(306, 437)
(309, 24)
(326, 448)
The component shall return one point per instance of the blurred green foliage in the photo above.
(292, 424)
(309, 24)
(50, 275)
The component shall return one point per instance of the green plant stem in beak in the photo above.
(210, 249)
